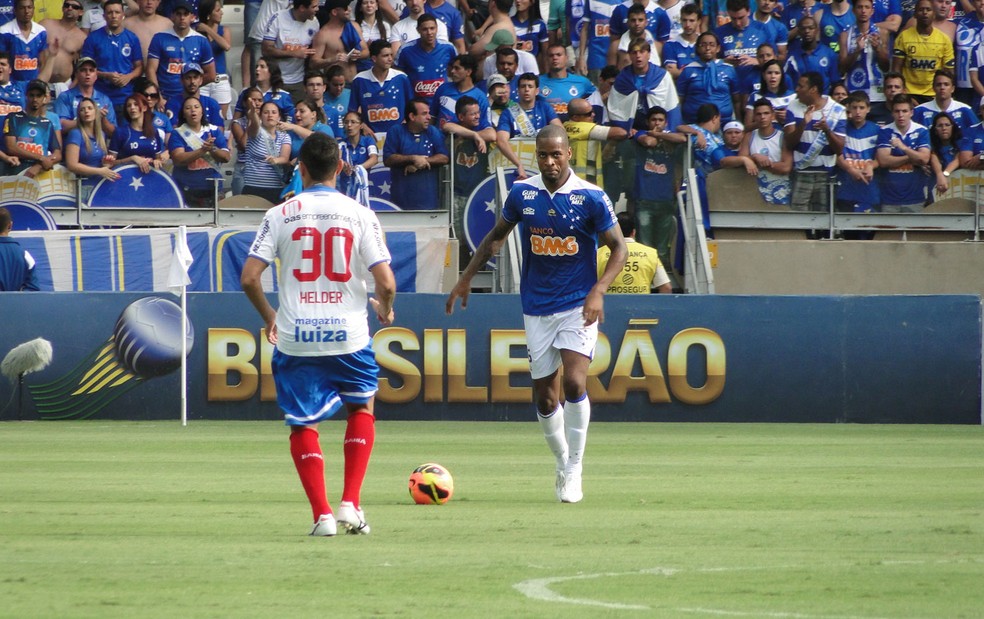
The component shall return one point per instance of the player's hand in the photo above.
(461, 290)
(594, 308)
(385, 318)
(272, 335)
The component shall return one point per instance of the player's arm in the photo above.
(253, 287)
(594, 303)
(385, 292)
(483, 253)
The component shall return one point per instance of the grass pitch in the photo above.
(149, 519)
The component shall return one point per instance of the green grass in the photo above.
(120, 519)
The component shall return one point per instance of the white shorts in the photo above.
(546, 336)
(220, 90)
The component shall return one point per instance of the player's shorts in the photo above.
(546, 336)
(312, 389)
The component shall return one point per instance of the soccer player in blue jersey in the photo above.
(381, 94)
(117, 53)
(562, 219)
(425, 61)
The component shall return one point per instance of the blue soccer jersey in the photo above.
(659, 23)
(559, 234)
(904, 184)
(655, 171)
(382, 104)
(447, 98)
(973, 140)
(860, 146)
(961, 113)
(127, 142)
(113, 53)
(173, 52)
(24, 52)
(598, 14)
(558, 91)
(427, 71)
(823, 60)
(11, 100)
(531, 35)
(450, 16)
(280, 97)
(35, 134)
(712, 82)
(735, 42)
(679, 53)
(417, 191)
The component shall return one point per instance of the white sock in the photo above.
(553, 431)
(576, 418)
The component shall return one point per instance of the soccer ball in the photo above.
(431, 484)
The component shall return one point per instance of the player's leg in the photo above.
(307, 399)
(577, 416)
(305, 449)
(357, 390)
(544, 366)
(575, 343)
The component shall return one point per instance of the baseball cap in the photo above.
(500, 38)
(184, 4)
(734, 124)
(191, 66)
(85, 59)
(495, 80)
(37, 85)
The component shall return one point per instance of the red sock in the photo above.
(310, 465)
(360, 434)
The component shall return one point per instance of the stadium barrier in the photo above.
(898, 359)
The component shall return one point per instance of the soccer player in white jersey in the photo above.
(326, 244)
(561, 219)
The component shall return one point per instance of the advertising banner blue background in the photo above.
(891, 359)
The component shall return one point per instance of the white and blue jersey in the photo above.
(659, 23)
(450, 16)
(420, 190)
(813, 150)
(961, 113)
(25, 53)
(558, 91)
(173, 52)
(531, 35)
(382, 104)
(774, 188)
(598, 14)
(678, 53)
(427, 71)
(67, 104)
(969, 34)
(127, 142)
(864, 74)
(211, 108)
(7, 11)
(559, 235)
(113, 53)
(904, 184)
(539, 117)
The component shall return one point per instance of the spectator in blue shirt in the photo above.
(708, 80)
(903, 153)
(16, 263)
(117, 52)
(413, 151)
(810, 55)
(524, 119)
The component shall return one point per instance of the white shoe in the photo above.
(559, 484)
(351, 519)
(571, 492)
(324, 527)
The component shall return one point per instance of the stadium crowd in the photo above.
(880, 96)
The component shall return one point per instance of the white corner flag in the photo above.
(181, 261)
(177, 282)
